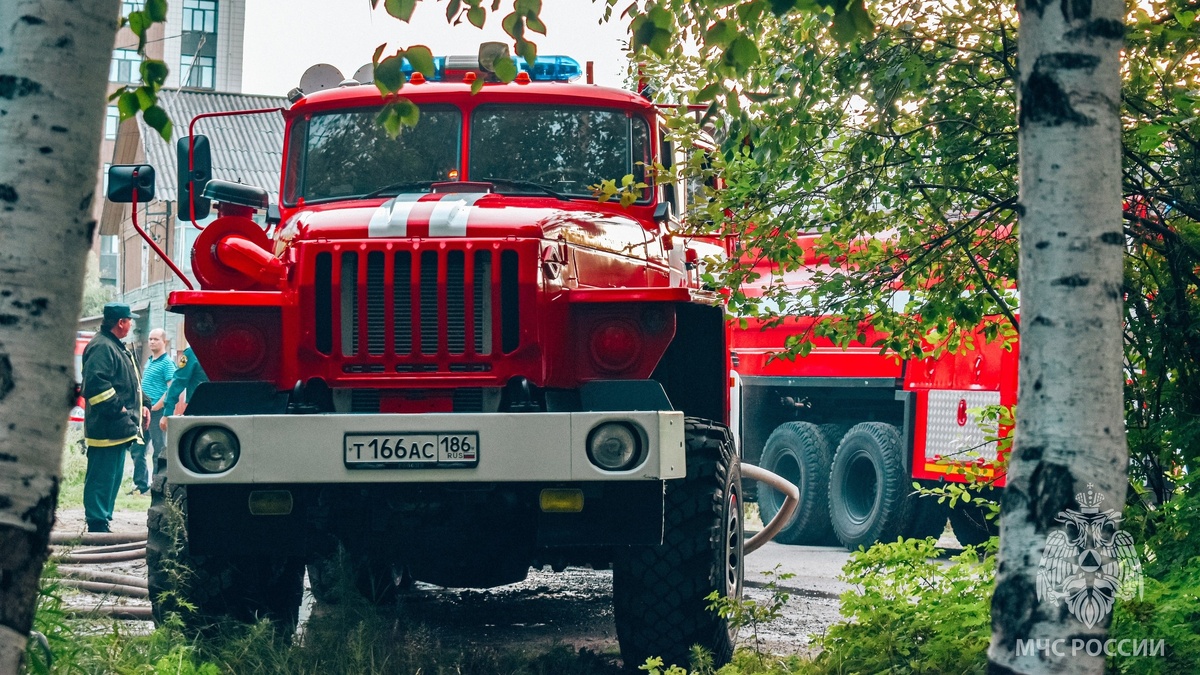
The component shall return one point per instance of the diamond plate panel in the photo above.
(946, 437)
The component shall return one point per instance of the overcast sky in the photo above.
(284, 39)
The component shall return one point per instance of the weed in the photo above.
(743, 613)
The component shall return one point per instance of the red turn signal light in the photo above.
(616, 345)
(242, 347)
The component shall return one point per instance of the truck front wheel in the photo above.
(204, 590)
(868, 486)
(659, 592)
(799, 453)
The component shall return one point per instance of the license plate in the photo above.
(411, 451)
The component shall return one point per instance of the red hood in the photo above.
(474, 215)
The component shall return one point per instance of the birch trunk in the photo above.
(54, 57)
(1070, 429)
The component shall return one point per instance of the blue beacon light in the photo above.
(545, 68)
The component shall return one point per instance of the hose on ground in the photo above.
(791, 495)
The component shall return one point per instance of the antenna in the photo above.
(320, 76)
(365, 74)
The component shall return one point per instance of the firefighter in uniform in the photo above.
(115, 413)
(188, 375)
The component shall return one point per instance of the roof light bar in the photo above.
(545, 68)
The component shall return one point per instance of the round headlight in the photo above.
(614, 446)
(214, 450)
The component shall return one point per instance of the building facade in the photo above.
(201, 43)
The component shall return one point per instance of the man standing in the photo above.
(188, 375)
(155, 380)
(114, 413)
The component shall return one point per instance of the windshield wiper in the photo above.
(527, 184)
(397, 188)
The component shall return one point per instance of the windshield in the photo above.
(565, 148)
(348, 154)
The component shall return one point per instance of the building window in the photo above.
(104, 180)
(130, 6)
(200, 16)
(125, 67)
(198, 71)
(112, 120)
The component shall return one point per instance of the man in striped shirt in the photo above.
(155, 381)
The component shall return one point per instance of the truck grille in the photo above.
(409, 311)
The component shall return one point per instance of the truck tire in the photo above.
(833, 432)
(242, 588)
(971, 527)
(659, 591)
(928, 518)
(798, 452)
(868, 486)
(376, 581)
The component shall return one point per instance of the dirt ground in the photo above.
(573, 607)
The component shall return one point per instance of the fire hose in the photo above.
(791, 495)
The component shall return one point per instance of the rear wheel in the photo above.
(868, 486)
(928, 518)
(203, 590)
(659, 592)
(799, 453)
(971, 527)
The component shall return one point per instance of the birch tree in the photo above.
(1070, 434)
(54, 56)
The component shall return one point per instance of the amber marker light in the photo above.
(270, 502)
(561, 500)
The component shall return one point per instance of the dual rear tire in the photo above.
(854, 487)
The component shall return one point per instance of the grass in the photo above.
(74, 469)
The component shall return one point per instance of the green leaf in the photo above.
(421, 59)
(742, 54)
(157, 9)
(401, 9)
(408, 112)
(709, 93)
(146, 97)
(527, 50)
(154, 73)
(476, 86)
(535, 24)
(761, 96)
(158, 120)
(389, 120)
(476, 15)
(138, 23)
(452, 10)
(389, 77)
(505, 69)
(661, 42)
(660, 17)
(721, 33)
(128, 105)
(511, 24)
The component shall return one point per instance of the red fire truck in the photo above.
(855, 428)
(445, 361)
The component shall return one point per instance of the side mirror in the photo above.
(192, 181)
(123, 179)
(236, 193)
(662, 212)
